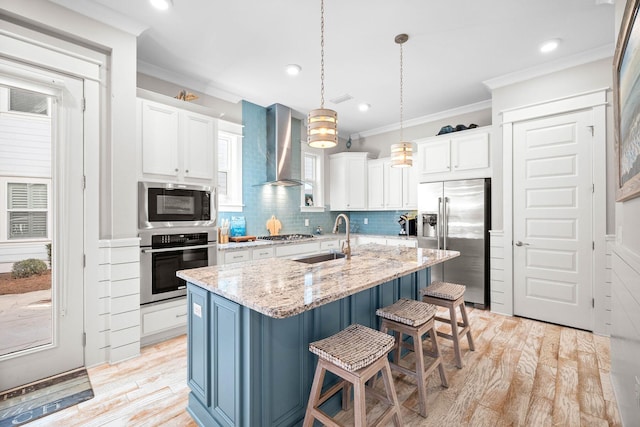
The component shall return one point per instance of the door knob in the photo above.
(520, 243)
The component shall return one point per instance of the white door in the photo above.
(52, 342)
(552, 219)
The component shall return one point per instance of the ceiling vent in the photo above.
(341, 98)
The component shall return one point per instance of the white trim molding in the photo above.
(478, 106)
(602, 52)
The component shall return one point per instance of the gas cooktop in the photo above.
(286, 237)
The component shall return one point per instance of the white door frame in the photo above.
(33, 47)
(596, 101)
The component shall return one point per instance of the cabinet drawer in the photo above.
(262, 253)
(167, 318)
(332, 244)
(236, 256)
(303, 248)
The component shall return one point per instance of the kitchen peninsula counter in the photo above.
(281, 288)
(250, 325)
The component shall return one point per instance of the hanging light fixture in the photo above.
(322, 123)
(402, 152)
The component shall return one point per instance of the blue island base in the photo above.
(248, 369)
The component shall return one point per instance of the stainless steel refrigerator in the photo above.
(456, 215)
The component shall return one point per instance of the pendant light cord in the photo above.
(321, 53)
(401, 84)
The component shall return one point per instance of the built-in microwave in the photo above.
(162, 205)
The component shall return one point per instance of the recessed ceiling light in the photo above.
(363, 107)
(549, 45)
(293, 69)
(161, 4)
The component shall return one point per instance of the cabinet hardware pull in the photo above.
(181, 315)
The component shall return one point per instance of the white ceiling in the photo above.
(239, 49)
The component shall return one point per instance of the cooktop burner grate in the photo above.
(286, 237)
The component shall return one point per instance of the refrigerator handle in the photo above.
(445, 223)
(439, 223)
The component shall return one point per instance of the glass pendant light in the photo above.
(322, 123)
(402, 152)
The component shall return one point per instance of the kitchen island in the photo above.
(250, 323)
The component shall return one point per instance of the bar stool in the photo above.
(451, 296)
(414, 318)
(355, 354)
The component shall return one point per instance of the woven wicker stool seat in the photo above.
(414, 319)
(355, 354)
(451, 296)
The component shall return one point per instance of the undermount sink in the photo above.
(313, 259)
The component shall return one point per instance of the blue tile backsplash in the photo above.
(262, 201)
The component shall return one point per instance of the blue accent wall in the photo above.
(262, 201)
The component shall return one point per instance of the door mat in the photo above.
(22, 405)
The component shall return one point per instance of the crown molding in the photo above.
(104, 14)
(482, 105)
(602, 52)
(184, 80)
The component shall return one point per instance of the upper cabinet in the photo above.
(457, 155)
(176, 144)
(391, 188)
(385, 185)
(348, 182)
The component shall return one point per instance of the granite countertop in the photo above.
(280, 288)
(316, 238)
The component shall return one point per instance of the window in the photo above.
(312, 192)
(28, 102)
(229, 167)
(27, 210)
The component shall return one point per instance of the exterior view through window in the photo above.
(25, 218)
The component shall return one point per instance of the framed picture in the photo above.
(626, 93)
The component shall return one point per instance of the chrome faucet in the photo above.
(345, 250)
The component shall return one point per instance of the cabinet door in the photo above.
(410, 188)
(159, 139)
(435, 157)
(470, 152)
(338, 183)
(357, 183)
(392, 186)
(199, 143)
(376, 190)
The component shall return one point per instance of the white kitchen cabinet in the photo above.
(262, 253)
(159, 321)
(375, 179)
(386, 186)
(348, 181)
(457, 155)
(410, 187)
(236, 256)
(176, 144)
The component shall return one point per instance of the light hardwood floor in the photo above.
(523, 373)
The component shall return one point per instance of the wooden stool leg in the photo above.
(454, 334)
(465, 319)
(314, 397)
(436, 350)
(421, 381)
(359, 404)
(391, 394)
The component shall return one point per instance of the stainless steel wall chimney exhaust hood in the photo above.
(279, 147)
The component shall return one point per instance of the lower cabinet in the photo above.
(161, 321)
(247, 369)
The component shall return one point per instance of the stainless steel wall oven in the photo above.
(163, 252)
